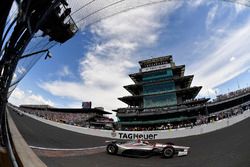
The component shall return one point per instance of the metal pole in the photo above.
(31, 54)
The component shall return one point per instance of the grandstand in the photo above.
(162, 96)
(85, 117)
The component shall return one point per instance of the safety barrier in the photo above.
(24, 155)
(149, 135)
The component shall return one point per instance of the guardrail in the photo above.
(24, 156)
(149, 135)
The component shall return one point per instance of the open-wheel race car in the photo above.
(145, 149)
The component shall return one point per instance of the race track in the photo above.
(229, 147)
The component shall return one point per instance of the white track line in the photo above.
(66, 149)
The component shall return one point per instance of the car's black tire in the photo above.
(112, 149)
(168, 152)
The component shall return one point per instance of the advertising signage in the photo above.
(133, 136)
(86, 105)
(158, 67)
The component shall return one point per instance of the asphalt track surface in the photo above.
(228, 147)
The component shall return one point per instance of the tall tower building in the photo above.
(160, 89)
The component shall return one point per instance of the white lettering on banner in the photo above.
(156, 67)
(131, 136)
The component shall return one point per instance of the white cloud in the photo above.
(75, 104)
(21, 70)
(240, 7)
(106, 98)
(211, 15)
(196, 3)
(215, 69)
(93, 11)
(209, 92)
(105, 68)
(232, 58)
(217, 9)
(65, 71)
(19, 97)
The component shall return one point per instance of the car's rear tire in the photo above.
(168, 152)
(112, 149)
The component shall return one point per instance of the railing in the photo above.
(166, 110)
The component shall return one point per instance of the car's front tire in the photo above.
(112, 149)
(168, 152)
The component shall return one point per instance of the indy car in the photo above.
(145, 149)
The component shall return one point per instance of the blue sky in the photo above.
(211, 38)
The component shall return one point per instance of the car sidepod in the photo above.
(134, 150)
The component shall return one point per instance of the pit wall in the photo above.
(148, 135)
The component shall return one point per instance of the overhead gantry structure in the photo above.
(50, 17)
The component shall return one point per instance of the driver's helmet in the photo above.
(139, 140)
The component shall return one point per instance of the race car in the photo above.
(145, 149)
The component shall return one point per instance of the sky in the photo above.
(210, 37)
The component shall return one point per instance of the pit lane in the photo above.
(228, 147)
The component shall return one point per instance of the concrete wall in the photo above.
(150, 135)
(24, 155)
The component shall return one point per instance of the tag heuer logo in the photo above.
(113, 134)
